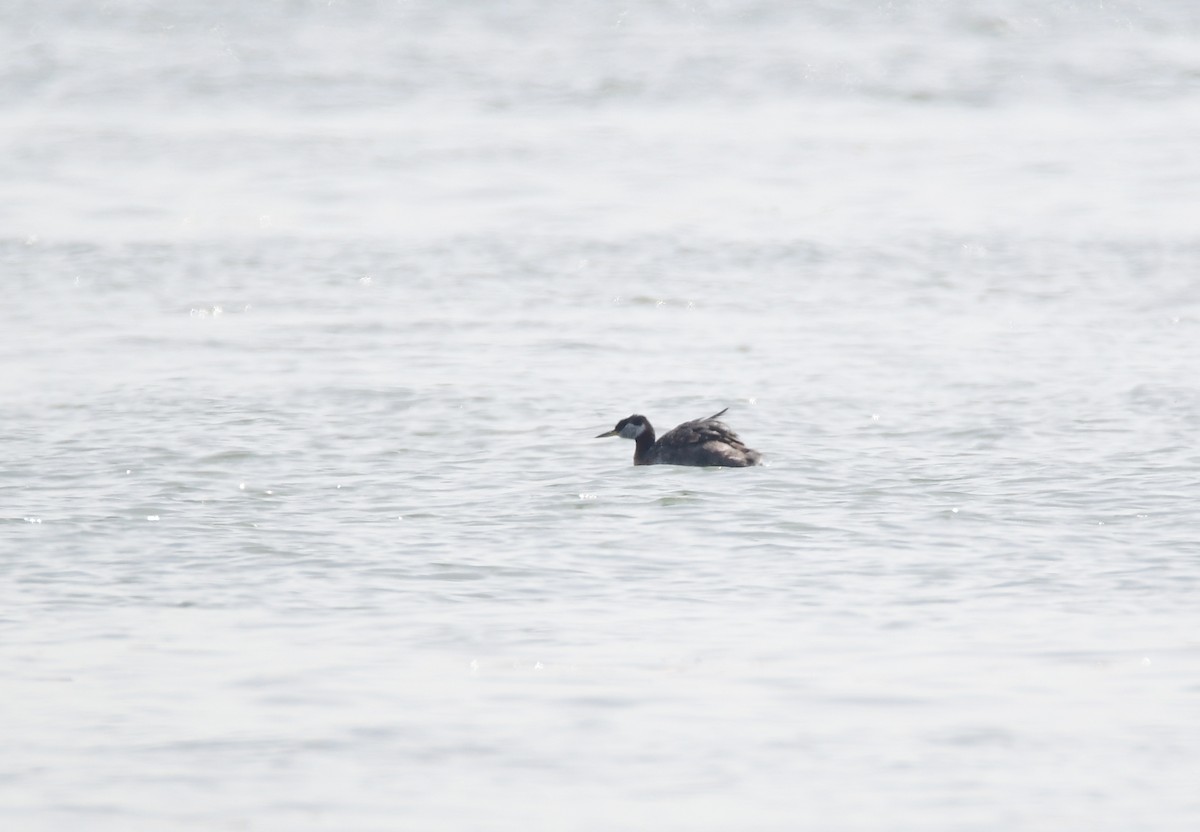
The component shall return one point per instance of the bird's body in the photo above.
(700, 442)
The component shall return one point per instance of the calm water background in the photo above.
(312, 309)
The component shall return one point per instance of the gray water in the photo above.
(311, 312)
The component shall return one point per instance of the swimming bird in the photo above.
(701, 442)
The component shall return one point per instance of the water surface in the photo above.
(312, 311)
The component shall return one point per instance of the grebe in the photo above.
(699, 442)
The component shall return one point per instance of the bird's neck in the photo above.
(645, 441)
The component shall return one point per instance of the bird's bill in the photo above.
(612, 432)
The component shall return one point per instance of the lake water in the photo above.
(312, 311)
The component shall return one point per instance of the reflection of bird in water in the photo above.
(698, 442)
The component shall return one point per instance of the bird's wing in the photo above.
(700, 431)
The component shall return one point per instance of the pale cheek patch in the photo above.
(632, 431)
